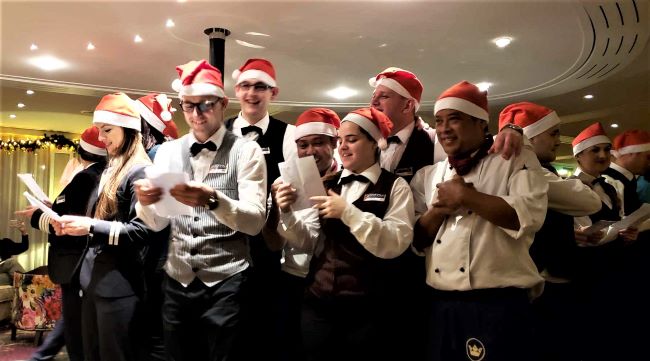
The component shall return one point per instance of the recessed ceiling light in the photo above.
(33, 47)
(483, 86)
(12, 116)
(29, 92)
(588, 96)
(170, 23)
(48, 62)
(90, 46)
(256, 34)
(614, 125)
(249, 45)
(137, 39)
(21, 105)
(503, 41)
(181, 1)
(383, 45)
(341, 92)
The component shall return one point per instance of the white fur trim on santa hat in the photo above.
(364, 123)
(149, 116)
(636, 148)
(120, 120)
(201, 89)
(589, 142)
(164, 104)
(312, 128)
(395, 86)
(91, 148)
(462, 105)
(549, 121)
(253, 74)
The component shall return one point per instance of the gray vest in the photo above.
(200, 245)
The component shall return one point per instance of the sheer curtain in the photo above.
(46, 165)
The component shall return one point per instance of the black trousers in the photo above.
(53, 343)
(556, 321)
(487, 325)
(72, 324)
(152, 347)
(205, 323)
(292, 290)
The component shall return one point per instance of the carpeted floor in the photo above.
(22, 347)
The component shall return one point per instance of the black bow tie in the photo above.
(197, 147)
(354, 177)
(394, 139)
(251, 128)
(598, 180)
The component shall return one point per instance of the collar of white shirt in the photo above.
(217, 138)
(405, 133)
(240, 122)
(584, 177)
(372, 173)
(622, 170)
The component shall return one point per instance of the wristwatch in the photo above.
(213, 201)
(514, 127)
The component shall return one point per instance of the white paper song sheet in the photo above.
(47, 210)
(303, 175)
(168, 206)
(634, 219)
(31, 184)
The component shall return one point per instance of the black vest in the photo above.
(418, 154)
(631, 200)
(344, 267)
(271, 144)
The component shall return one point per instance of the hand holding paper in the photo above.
(167, 206)
(303, 175)
(35, 202)
(31, 184)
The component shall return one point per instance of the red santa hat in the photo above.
(117, 109)
(533, 118)
(401, 81)
(317, 121)
(631, 141)
(259, 69)
(90, 142)
(590, 136)
(464, 97)
(198, 78)
(157, 112)
(376, 123)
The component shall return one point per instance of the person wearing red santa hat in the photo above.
(366, 219)
(209, 262)
(477, 217)
(110, 276)
(158, 125)
(315, 134)
(65, 252)
(256, 86)
(554, 249)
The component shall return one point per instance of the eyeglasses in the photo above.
(257, 87)
(203, 107)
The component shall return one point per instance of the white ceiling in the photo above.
(561, 51)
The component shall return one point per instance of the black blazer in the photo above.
(65, 252)
(122, 244)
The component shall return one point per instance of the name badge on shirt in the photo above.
(218, 168)
(266, 150)
(60, 199)
(374, 197)
(404, 171)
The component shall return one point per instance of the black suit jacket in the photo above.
(65, 252)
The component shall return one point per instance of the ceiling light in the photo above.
(256, 34)
(249, 45)
(29, 92)
(137, 39)
(90, 46)
(483, 86)
(341, 92)
(588, 96)
(170, 23)
(48, 62)
(614, 125)
(181, 1)
(12, 116)
(33, 47)
(21, 105)
(503, 41)
(383, 45)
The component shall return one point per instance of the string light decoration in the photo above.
(57, 141)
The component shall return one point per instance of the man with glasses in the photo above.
(255, 88)
(208, 264)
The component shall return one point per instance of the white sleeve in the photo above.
(289, 150)
(570, 196)
(301, 228)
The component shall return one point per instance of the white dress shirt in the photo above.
(609, 233)
(289, 150)
(570, 196)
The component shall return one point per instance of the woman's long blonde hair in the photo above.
(131, 153)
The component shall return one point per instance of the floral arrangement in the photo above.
(37, 303)
(46, 141)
